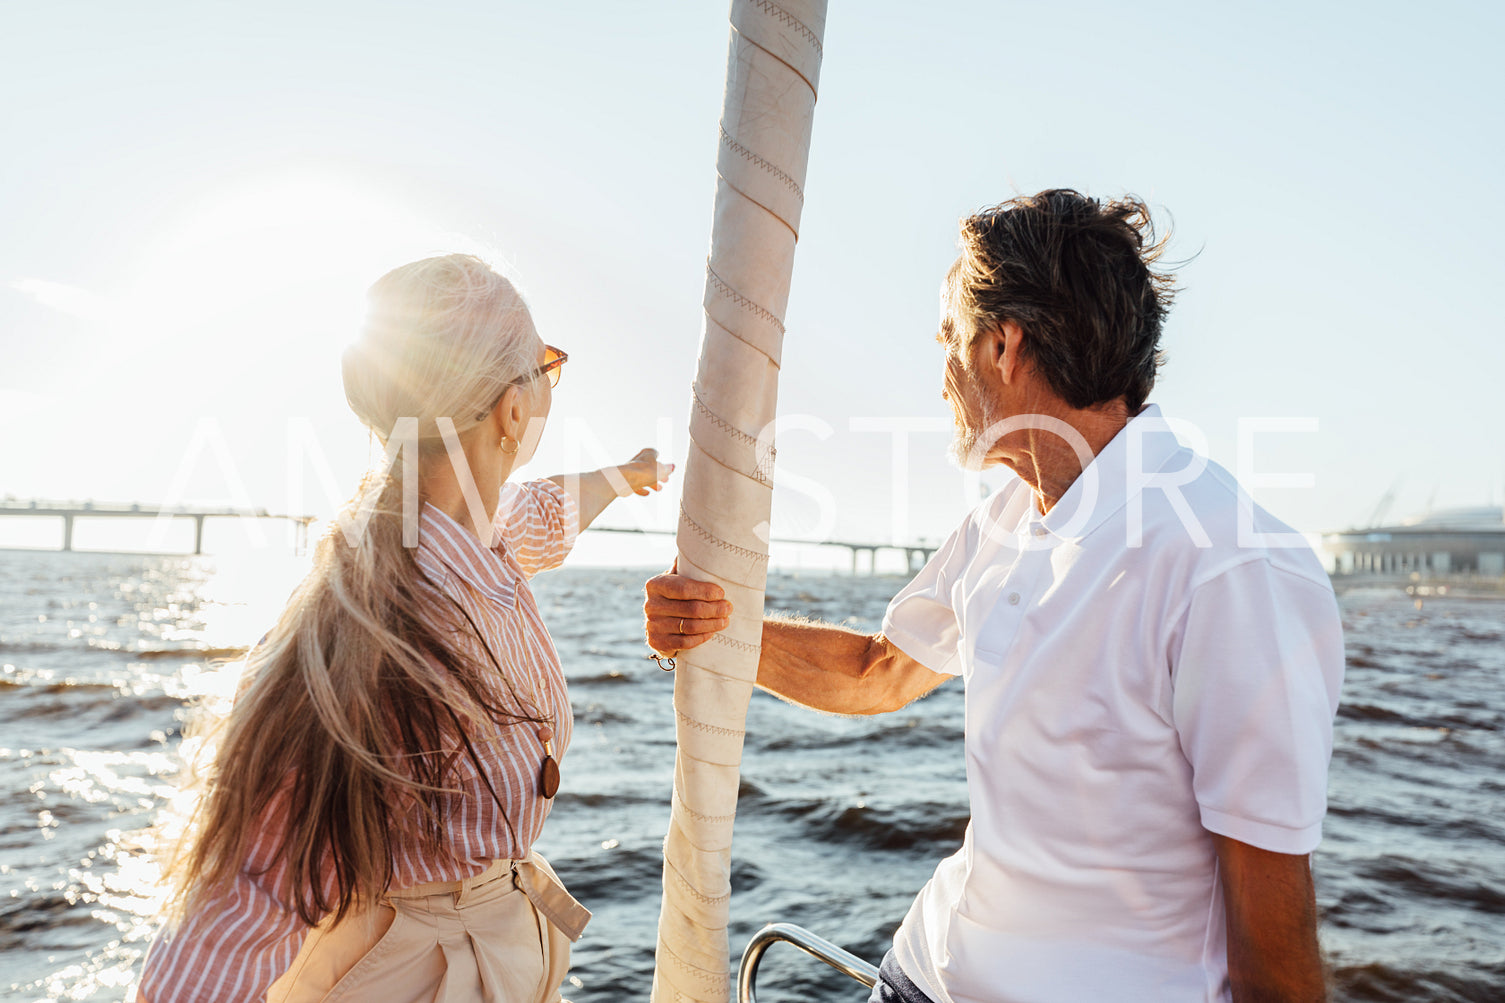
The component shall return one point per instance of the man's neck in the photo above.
(1049, 463)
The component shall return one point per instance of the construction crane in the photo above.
(1386, 500)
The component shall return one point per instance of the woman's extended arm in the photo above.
(593, 490)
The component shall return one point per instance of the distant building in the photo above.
(1460, 541)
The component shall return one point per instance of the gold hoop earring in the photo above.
(513, 450)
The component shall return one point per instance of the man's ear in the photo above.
(1005, 343)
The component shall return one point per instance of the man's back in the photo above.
(1122, 701)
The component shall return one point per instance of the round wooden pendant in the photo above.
(548, 779)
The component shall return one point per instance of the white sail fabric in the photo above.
(772, 73)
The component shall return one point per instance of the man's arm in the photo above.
(1271, 909)
(839, 671)
(815, 665)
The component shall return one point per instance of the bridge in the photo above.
(915, 554)
(69, 511)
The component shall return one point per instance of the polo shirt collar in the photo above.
(1110, 479)
(448, 550)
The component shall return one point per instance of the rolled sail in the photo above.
(772, 73)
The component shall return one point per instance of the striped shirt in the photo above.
(236, 945)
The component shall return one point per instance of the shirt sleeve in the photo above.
(230, 948)
(538, 522)
(921, 620)
(1255, 681)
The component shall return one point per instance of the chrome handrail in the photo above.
(843, 961)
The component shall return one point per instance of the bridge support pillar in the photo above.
(198, 534)
(67, 532)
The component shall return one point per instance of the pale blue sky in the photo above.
(195, 195)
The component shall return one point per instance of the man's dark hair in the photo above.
(1075, 274)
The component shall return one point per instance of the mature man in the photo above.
(1152, 662)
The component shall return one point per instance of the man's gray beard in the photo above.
(965, 452)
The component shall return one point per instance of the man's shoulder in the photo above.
(1214, 525)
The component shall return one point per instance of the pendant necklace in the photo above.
(548, 773)
(548, 770)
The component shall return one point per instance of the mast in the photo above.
(772, 74)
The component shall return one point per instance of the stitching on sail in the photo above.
(699, 896)
(732, 642)
(697, 816)
(776, 58)
(741, 300)
(753, 475)
(718, 421)
(766, 453)
(705, 534)
(715, 979)
(775, 11)
(712, 729)
(753, 158)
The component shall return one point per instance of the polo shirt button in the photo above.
(1041, 531)
(1013, 599)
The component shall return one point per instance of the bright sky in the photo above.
(195, 196)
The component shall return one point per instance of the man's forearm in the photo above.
(1271, 910)
(839, 671)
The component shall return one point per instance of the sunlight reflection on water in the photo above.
(98, 655)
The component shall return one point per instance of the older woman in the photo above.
(367, 824)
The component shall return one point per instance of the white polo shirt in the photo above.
(1138, 672)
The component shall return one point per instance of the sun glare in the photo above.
(235, 310)
(276, 263)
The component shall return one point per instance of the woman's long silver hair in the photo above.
(360, 702)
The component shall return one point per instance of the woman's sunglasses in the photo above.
(553, 363)
(553, 366)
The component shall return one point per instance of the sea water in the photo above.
(839, 823)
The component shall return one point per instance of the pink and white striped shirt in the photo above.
(236, 946)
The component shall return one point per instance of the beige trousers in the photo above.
(500, 937)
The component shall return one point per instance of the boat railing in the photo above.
(841, 960)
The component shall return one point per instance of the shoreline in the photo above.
(1435, 587)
